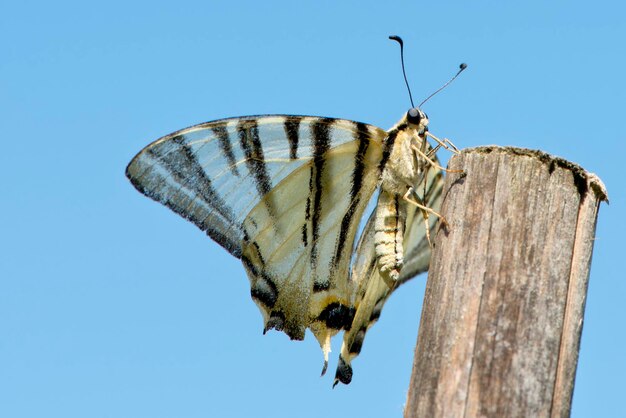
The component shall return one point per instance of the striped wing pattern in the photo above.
(214, 173)
(285, 194)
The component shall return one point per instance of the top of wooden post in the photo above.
(583, 179)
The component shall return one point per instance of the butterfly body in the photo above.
(403, 170)
(286, 195)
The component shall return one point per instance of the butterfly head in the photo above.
(417, 119)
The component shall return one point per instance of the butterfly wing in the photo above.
(283, 193)
(372, 291)
(417, 247)
(214, 173)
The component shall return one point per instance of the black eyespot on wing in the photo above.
(337, 316)
(414, 116)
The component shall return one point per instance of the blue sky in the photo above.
(113, 306)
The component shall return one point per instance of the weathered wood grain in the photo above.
(503, 309)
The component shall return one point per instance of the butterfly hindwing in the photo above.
(300, 260)
(373, 292)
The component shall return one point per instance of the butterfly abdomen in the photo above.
(401, 172)
(389, 235)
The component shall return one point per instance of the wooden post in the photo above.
(503, 309)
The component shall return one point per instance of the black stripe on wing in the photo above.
(321, 144)
(253, 150)
(250, 142)
(225, 142)
(388, 146)
(363, 138)
(292, 130)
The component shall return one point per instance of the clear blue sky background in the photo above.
(112, 306)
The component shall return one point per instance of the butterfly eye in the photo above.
(414, 116)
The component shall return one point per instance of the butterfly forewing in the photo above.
(214, 173)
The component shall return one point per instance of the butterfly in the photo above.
(286, 195)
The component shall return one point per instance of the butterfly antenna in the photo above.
(461, 68)
(399, 40)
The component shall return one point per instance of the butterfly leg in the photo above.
(446, 143)
(425, 216)
(433, 151)
(431, 162)
(407, 197)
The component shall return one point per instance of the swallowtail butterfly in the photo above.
(286, 195)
